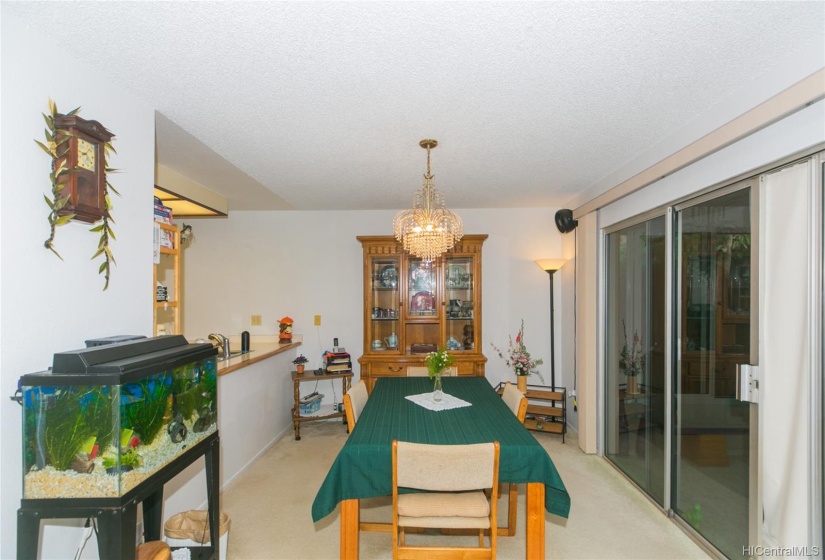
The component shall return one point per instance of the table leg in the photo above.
(116, 535)
(28, 534)
(535, 521)
(349, 529)
(153, 515)
(296, 424)
(213, 495)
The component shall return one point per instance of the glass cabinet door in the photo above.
(458, 298)
(421, 289)
(385, 306)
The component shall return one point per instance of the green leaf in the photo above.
(55, 252)
(52, 108)
(111, 233)
(110, 147)
(110, 187)
(100, 250)
(103, 266)
(49, 136)
(62, 220)
(60, 202)
(73, 111)
(97, 228)
(48, 202)
(43, 146)
(49, 122)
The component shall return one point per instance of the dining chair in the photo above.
(453, 479)
(517, 403)
(354, 402)
(419, 371)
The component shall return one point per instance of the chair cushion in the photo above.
(444, 505)
(445, 522)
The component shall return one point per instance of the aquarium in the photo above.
(102, 420)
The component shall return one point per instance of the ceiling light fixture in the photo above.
(428, 229)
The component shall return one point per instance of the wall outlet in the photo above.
(256, 320)
(317, 320)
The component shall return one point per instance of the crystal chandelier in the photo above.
(428, 229)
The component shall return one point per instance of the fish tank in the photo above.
(103, 420)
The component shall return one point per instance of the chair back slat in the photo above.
(445, 467)
(515, 401)
(354, 402)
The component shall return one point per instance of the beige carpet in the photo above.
(269, 506)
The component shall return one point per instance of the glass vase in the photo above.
(438, 394)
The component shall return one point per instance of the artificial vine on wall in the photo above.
(58, 145)
(57, 150)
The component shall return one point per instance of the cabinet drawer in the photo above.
(388, 369)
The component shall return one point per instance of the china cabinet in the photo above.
(167, 310)
(413, 307)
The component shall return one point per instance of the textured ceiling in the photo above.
(318, 105)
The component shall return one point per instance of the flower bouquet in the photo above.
(518, 357)
(437, 362)
(632, 360)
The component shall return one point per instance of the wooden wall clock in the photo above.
(86, 185)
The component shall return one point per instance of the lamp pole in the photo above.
(550, 266)
(552, 335)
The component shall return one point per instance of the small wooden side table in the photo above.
(310, 375)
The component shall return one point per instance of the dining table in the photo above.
(363, 467)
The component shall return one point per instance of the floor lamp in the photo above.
(550, 266)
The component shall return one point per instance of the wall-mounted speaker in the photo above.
(565, 221)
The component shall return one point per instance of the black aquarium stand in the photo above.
(117, 517)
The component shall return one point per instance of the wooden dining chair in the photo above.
(354, 402)
(516, 402)
(453, 479)
(418, 371)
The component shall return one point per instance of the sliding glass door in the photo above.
(635, 354)
(713, 429)
(672, 420)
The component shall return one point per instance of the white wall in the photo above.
(309, 263)
(48, 305)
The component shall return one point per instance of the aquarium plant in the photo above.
(144, 405)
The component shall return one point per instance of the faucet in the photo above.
(223, 342)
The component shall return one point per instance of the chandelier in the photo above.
(428, 229)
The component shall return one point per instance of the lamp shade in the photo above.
(550, 264)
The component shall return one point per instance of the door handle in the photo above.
(747, 383)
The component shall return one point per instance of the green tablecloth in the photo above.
(363, 468)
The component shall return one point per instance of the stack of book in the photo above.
(163, 214)
(337, 362)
